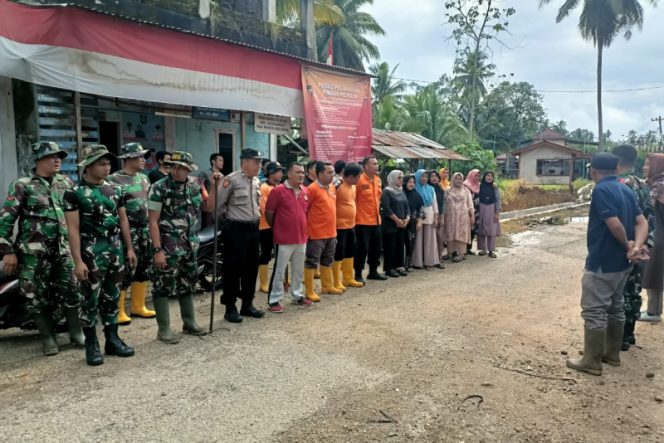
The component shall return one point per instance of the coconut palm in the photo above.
(384, 84)
(349, 39)
(471, 71)
(601, 21)
(325, 12)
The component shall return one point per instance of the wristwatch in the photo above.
(156, 250)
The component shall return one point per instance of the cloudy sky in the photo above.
(551, 56)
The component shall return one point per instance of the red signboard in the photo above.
(337, 108)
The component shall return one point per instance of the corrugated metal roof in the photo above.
(397, 144)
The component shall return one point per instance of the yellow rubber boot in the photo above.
(349, 274)
(309, 284)
(327, 281)
(123, 318)
(317, 273)
(264, 281)
(337, 277)
(138, 309)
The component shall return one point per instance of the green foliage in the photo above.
(384, 85)
(481, 159)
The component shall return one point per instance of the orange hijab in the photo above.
(444, 179)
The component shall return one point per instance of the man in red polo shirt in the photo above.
(286, 213)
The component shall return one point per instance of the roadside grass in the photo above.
(517, 194)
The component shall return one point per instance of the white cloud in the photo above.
(551, 56)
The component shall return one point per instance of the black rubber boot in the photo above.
(93, 355)
(248, 310)
(375, 275)
(628, 336)
(115, 346)
(232, 315)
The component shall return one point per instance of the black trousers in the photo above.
(240, 261)
(345, 244)
(368, 247)
(267, 244)
(411, 231)
(394, 244)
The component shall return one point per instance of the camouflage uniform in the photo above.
(101, 248)
(180, 205)
(632, 290)
(134, 190)
(46, 270)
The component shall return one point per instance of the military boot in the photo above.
(76, 336)
(593, 350)
(613, 340)
(45, 326)
(165, 333)
(114, 345)
(93, 355)
(189, 316)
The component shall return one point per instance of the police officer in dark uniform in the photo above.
(238, 206)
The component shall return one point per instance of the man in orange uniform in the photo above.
(367, 221)
(346, 212)
(274, 172)
(322, 232)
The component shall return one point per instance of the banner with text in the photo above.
(337, 109)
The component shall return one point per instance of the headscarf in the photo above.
(440, 191)
(392, 178)
(487, 190)
(425, 191)
(656, 176)
(414, 199)
(473, 181)
(444, 182)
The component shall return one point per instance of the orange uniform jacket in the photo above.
(368, 200)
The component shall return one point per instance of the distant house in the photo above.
(548, 160)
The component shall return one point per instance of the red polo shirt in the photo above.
(290, 214)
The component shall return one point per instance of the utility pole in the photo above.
(659, 120)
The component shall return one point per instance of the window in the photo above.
(553, 168)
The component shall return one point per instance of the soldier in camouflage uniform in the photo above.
(632, 291)
(96, 217)
(135, 185)
(175, 204)
(40, 252)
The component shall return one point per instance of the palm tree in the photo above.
(384, 84)
(601, 21)
(325, 12)
(470, 73)
(350, 44)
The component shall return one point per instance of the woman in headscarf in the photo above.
(444, 179)
(459, 216)
(396, 218)
(434, 180)
(416, 205)
(653, 277)
(425, 252)
(489, 218)
(472, 183)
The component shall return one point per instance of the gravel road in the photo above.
(475, 352)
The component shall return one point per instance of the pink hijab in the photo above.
(473, 181)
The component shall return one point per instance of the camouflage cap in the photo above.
(183, 159)
(134, 150)
(43, 149)
(92, 153)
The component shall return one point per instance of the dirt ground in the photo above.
(472, 353)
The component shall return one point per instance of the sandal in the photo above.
(446, 257)
(456, 259)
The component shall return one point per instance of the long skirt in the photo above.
(487, 225)
(425, 252)
(653, 277)
(440, 237)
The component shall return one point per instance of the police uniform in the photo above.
(134, 189)
(98, 207)
(179, 205)
(46, 270)
(238, 204)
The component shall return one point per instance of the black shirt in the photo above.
(396, 204)
(155, 175)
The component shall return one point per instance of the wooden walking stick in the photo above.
(215, 218)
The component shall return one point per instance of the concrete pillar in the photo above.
(8, 161)
(273, 147)
(308, 26)
(270, 11)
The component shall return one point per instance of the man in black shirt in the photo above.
(162, 171)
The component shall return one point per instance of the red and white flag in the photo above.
(330, 52)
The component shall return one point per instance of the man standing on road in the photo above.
(617, 231)
(96, 217)
(346, 212)
(174, 210)
(41, 251)
(322, 230)
(627, 156)
(238, 204)
(286, 212)
(369, 190)
(134, 186)
(162, 167)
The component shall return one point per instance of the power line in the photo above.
(563, 91)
